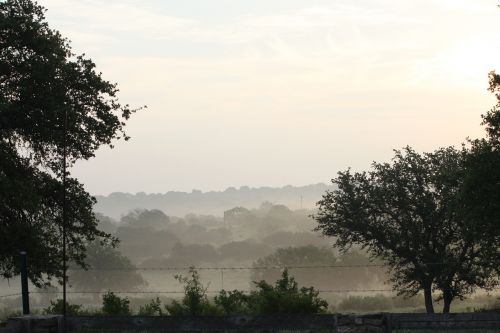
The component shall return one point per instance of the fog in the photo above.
(212, 202)
(230, 250)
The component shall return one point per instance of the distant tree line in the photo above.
(164, 249)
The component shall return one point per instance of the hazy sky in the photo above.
(276, 92)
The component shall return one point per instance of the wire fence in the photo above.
(220, 276)
(220, 269)
(370, 282)
(182, 292)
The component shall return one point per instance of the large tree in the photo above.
(41, 83)
(481, 192)
(108, 270)
(410, 213)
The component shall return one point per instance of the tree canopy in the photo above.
(409, 213)
(108, 269)
(480, 195)
(42, 81)
(322, 272)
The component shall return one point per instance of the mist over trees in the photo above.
(104, 271)
(240, 235)
(269, 235)
(432, 218)
(177, 203)
(327, 269)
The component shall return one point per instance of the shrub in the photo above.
(285, 298)
(113, 305)
(195, 301)
(232, 302)
(57, 308)
(152, 308)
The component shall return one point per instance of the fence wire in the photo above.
(221, 269)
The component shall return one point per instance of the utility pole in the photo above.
(24, 284)
(64, 215)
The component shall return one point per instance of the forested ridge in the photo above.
(214, 203)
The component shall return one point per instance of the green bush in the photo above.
(152, 308)
(195, 301)
(285, 298)
(57, 308)
(232, 302)
(113, 305)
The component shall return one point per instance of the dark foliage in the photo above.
(57, 308)
(285, 297)
(107, 269)
(410, 213)
(113, 305)
(41, 80)
(195, 301)
(153, 308)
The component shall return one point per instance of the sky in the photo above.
(278, 92)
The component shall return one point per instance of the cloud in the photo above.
(135, 18)
(111, 17)
(359, 72)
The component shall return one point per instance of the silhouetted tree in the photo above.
(107, 269)
(480, 195)
(41, 80)
(409, 213)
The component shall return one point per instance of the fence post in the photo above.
(24, 284)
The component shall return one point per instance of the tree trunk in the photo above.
(428, 299)
(447, 298)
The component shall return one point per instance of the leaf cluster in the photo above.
(113, 305)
